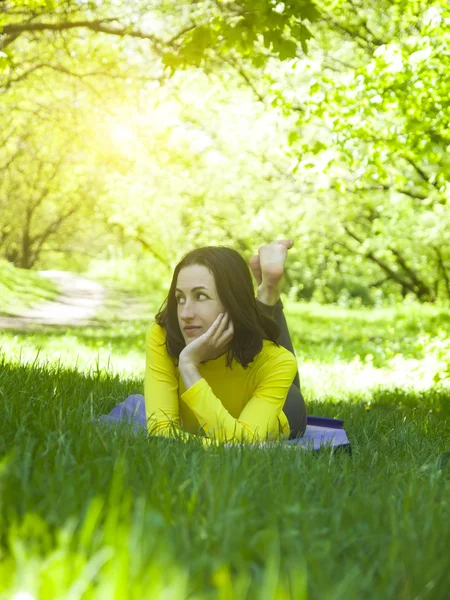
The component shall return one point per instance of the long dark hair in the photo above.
(235, 289)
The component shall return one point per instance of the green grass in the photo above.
(92, 512)
(20, 289)
(339, 351)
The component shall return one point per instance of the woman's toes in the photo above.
(255, 266)
(268, 266)
(272, 258)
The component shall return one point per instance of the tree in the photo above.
(178, 34)
(372, 127)
(48, 187)
(352, 161)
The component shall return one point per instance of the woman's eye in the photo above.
(198, 296)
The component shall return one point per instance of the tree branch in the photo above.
(384, 187)
(14, 30)
(46, 189)
(363, 23)
(50, 230)
(384, 266)
(237, 67)
(423, 290)
(17, 153)
(80, 76)
(420, 172)
(445, 274)
(362, 41)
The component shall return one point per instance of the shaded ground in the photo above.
(79, 302)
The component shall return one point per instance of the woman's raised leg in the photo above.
(268, 268)
(294, 408)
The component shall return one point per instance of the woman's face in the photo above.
(196, 307)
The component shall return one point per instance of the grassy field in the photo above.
(20, 289)
(89, 512)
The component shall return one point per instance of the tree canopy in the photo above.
(234, 122)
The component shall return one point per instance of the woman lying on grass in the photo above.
(233, 376)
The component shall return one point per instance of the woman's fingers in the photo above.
(224, 325)
(217, 326)
(218, 322)
(229, 325)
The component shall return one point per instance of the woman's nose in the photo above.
(187, 310)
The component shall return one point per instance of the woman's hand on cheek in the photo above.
(208, 345)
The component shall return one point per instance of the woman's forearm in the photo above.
(189, 372)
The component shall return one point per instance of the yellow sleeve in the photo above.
(160, 384)
(161, 390)
(260, 419)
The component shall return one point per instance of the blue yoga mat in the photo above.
(320, 431)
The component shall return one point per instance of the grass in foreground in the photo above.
(92, 512)
(105, 513)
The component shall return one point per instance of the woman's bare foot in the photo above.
(268, 269)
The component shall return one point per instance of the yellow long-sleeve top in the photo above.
(227, 404)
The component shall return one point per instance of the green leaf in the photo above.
(292, 137)
(318, 147)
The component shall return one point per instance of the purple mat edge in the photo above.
(320, 432)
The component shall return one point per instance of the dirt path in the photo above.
(79, 301)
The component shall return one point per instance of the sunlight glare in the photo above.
(121, 133)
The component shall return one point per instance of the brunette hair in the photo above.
(236, 292)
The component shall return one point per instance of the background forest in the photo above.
(132, 133)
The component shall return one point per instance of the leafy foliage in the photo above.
(377, 98)
(343, 149)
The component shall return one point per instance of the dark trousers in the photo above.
(294, 407)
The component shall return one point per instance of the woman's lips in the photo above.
(192, 330)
